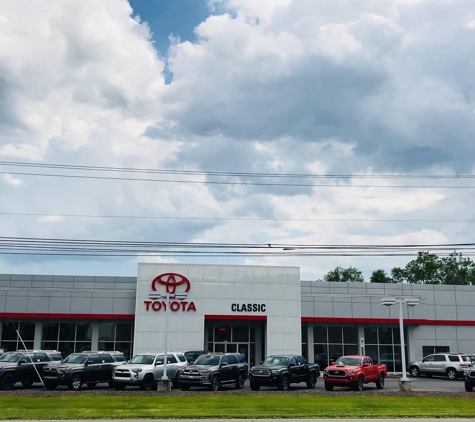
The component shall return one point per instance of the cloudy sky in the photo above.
(336, 87)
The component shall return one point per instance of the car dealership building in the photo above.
(254, 310)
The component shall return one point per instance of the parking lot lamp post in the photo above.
(164, 384)
(405, 383)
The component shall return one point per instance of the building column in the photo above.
(310, 348)
(258, 343)
(361, 343)
(95, 336)
(38, 335)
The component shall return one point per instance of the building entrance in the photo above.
(246, 338)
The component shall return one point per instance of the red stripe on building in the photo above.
(17, 315)
(387, 321)
(238, 317)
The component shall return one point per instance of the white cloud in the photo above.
(14, 181)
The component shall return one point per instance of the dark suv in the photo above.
(24, 366)
(79, 368)
(214, 370)
(193, 354)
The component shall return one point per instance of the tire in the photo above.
(147, 383)
(7, 382)
(91, 384)
(414, 371)
(240, 381)
(284, 384)
(50, 385)
(215, 384)
(75, 382)
(380, 382)
(176, 380)
(328, 387)
(185, 387)
(119, 387)
(359, 384)
(27, 384)
(468, 387)
(311, 380)
(451, 374)
(255, 386)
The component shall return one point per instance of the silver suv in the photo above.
(451, 365)
(146, 369)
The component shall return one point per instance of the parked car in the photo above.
(469, 379)
(144, 370)
(214, 370)
(354, 371)
(25, 366)
(282, 370)
(451, 365)
(193, 354)
(88, 368)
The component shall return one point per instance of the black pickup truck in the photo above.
(280, 371)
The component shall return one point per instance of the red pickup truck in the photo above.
(354, 371)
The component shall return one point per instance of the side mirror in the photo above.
(24, 360)
(365, 365)
(158, 363)
(89, 362)
(224, 364)
(191, 362)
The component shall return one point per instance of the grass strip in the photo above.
(163, 407)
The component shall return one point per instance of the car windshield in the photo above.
(207, 360)
(75, 358)
(276, 361)
(466, 358)
(143, 359)
(10, 357)
(348, 361)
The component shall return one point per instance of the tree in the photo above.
(457, 270)
(344, 275)
(425, 269)
(379, 276)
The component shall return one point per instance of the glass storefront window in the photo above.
(335, 335)
(350, 335)
(319, 334)
(385, 335)
(222, 333)
(241, 333)
(371, 335)
(10, 340)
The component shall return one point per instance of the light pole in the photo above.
(164, 384)
(404, 383)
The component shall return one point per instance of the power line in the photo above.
(152, 217)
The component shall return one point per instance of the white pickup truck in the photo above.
(146, 369)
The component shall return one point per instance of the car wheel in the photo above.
(215, 384)
(240, 381)
(91, 384)
(284, 384)
(255, 386)
(311, 380)
(7, 382)
(176, 380)
(328, 387)
(380, 382)
(414, 371)
(185, 387)
(468, 387)
(75, 382)
(359, 384)
(147, 383)
(451, 374)
(27, 384)
(119, 387)
(50, 386)
(111, 384)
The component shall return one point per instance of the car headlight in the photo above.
(325, 371)
(136, 370)
(64, 370)
(276, 371)
(352, 372)
(204, 371)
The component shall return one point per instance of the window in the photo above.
(429, 358)
(182, 358)
(224, 359)
(67, 337)
(11, 341)
(94, 359)
(454, 358)
(117, 336)
(331, 342)
(232, 360)
(171, 359)
(41, 357)
(106, 358)
(430, 350)
(439, 358)
(300, 360)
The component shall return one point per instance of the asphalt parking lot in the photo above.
(422, 384)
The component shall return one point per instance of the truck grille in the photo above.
(51, 372)
(261, 372)
(193, 372)
(336, 373)
(122, 373)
